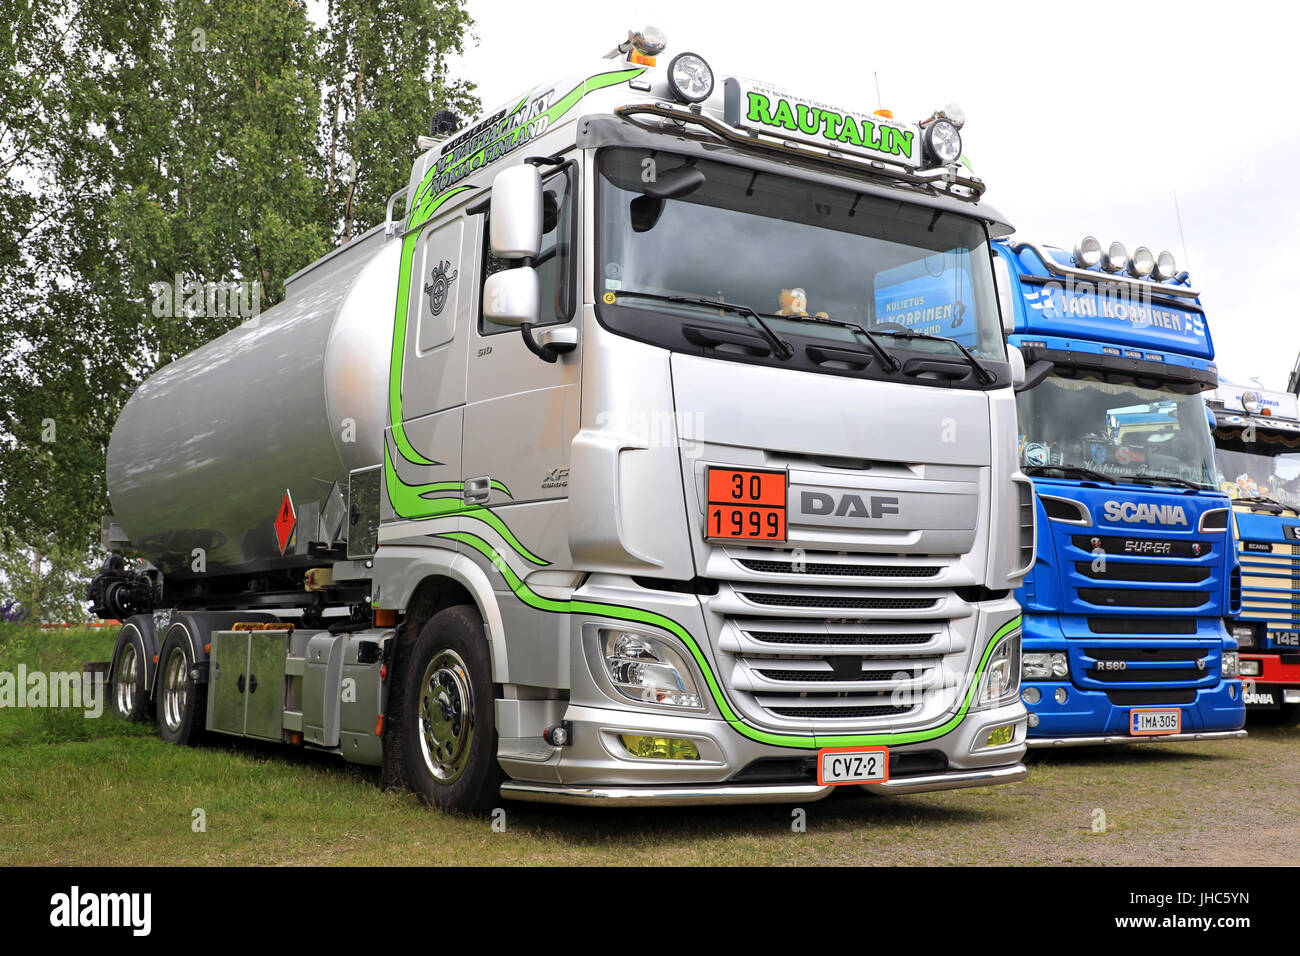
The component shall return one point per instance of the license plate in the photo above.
(841, 765)
(1286, 638)
(746, 505)
(1153, 723)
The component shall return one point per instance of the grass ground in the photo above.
(101, 791)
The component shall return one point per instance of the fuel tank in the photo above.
(206, 448)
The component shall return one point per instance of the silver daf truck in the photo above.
(623, 465)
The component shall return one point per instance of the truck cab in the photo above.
(1257, 437)
(634, 478)
(1124, 637)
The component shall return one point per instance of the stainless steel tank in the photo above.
(203, 452)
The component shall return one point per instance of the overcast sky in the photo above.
(1082, 118)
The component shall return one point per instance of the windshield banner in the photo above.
(1126, 319)
(928, 296)
(760, 108)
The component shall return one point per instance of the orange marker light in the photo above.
(887, 114)
(207, 648)
(385, 617)
(379, 726)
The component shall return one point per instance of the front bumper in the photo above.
(1088, 716)
(666, 796)
(1278, 680)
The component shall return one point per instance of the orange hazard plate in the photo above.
(746, 505)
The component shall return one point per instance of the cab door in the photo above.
(521, 412)
(424, 437)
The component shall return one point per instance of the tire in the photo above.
(448, 737)
(128, 676)
(180, 700)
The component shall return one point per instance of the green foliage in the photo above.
(47, 581)
(146, 142)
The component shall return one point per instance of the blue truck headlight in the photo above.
(647, 670)
(1044, 666)
(1001, 681)
(1231, 664)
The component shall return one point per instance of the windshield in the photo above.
(813, 261)
(1119, 431)
(1257, 462)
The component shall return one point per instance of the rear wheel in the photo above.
(449, 739)
(181, 701)
(130, 696)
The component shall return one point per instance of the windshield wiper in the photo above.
(1146, 478)
(783, 348)
(1069, 471)
(891, 361)
(1260, 499)
(987, 377)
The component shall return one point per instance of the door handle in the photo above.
(477, 490)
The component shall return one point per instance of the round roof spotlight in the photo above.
(1087, 252)
(1166, 266)
(690, 78)
(1116, 258)
(1142, 263)
(941, 142)
(1250, 401)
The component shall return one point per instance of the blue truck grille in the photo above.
(1270, 584)
(1142, 574)
(1149, 665)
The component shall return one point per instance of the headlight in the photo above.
(942, 142)
(1166, 266)
(1044, 666)
(1001, 680)
(1243, 634)
(1233, 665)
(1116, 258)
(1142, 263)
(647, 670)
(1087, 252)
(690, 78)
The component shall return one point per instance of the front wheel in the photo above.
(449, 743)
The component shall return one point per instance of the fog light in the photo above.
(1031, 695)
(1142, 263)
(1001, 735)
(1061, 695)
(1033, 720)
(942, 142)
(664, 748)
(1291, 695)
(1248, 668)
(1116, 258)
(1166, 266)
(1087, 252)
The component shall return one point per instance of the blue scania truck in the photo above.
(1124, 632)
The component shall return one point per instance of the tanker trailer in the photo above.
(565, 485)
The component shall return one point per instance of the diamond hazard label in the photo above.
(285, 522)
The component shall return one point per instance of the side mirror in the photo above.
(1017, 360)
(512, 297)
(1006, 300)
(515, 216)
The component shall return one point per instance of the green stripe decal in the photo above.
(617, 612)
